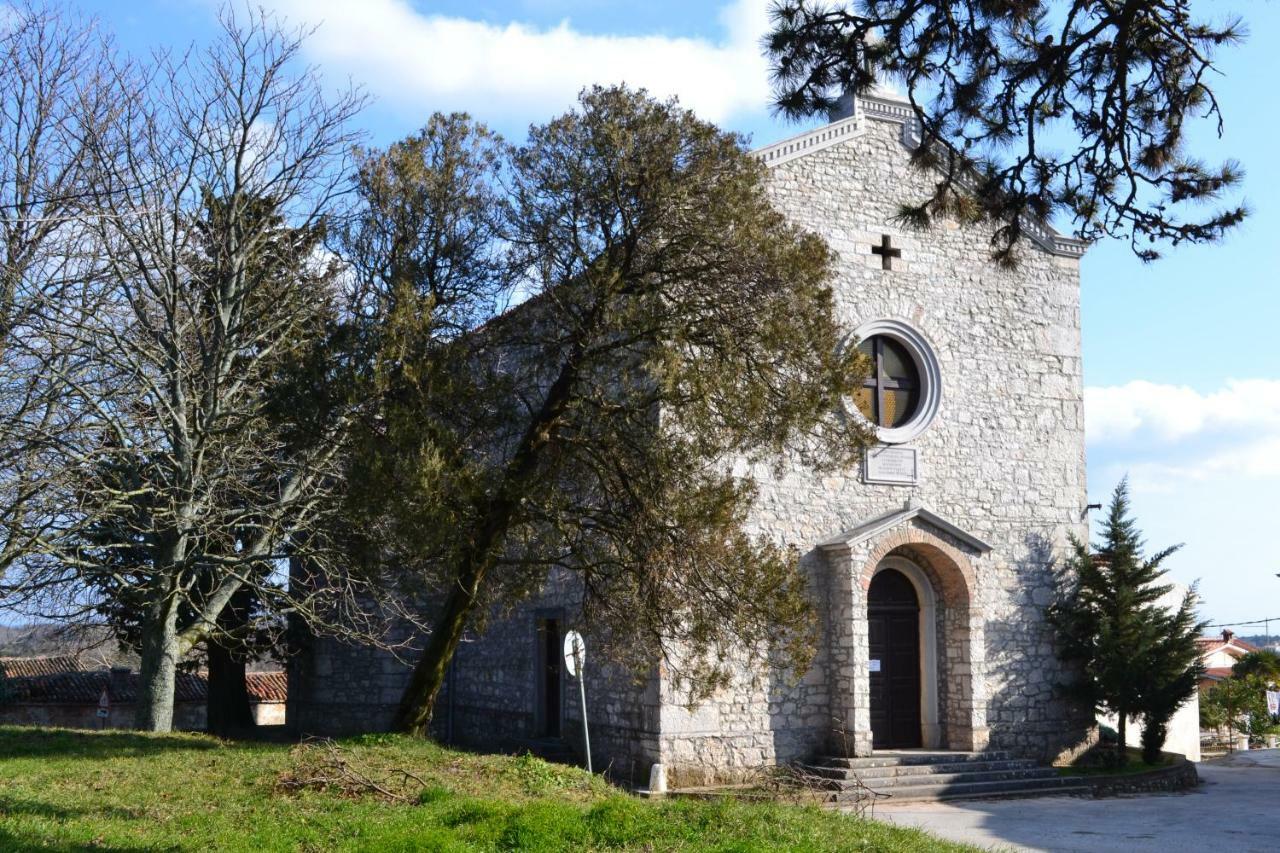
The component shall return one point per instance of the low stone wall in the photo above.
(1179, 776)
(187, 716)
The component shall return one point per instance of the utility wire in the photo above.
(75, 217)
(1243, 624)
(62, 199)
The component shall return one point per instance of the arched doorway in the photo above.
(935, 557)
(893, 617)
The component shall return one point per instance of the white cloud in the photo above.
(1231, 463)
(1172, 439)
(436, 62)
(1171, 413)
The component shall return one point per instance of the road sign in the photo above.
(575, 652)
(104, 704)
(575, 657)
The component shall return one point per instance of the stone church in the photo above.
(931, 563)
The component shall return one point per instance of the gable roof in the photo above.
(31, 667)
(887, 106)
(881, 523)
(84, 688)
(267, 686)
(1235, 644)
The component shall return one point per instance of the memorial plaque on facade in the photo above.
(895, 466)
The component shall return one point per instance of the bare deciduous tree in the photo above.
(206, 455)
(50, 95)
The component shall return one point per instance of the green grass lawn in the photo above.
(75, 790)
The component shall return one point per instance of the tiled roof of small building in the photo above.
(83, 688)
(31, 667)
(62, 680)
(1225, 639)
(267, 686)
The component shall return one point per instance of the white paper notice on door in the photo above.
(873, 665)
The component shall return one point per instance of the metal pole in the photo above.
(582, 692)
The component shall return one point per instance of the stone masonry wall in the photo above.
(1003, 459)
(187, 716)
(490, 698)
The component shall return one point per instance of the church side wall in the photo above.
(491, 697)
(1003, 459)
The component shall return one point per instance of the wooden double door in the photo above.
(893, 614)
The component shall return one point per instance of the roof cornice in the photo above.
(810, 141)
(892, 109)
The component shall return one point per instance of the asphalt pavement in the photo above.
(1236, 808)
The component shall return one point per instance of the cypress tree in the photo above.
(1134, 656)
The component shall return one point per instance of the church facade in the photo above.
(931, 564)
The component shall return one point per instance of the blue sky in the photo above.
(1181, 357)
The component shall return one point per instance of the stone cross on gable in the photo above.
(886, 251)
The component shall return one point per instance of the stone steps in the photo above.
(899, 771)
(918, 775)
(1056, 786)
(914, 758)
(894, 783)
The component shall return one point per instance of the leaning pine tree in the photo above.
(1135, 657)
(674, 322)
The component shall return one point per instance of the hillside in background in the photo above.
(1262, 641)
(93, 644)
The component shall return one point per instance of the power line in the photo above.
(1243, 624)
(62, 199)
(79, 217)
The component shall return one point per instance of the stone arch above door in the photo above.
(952, 574)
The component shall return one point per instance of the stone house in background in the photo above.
(931, 563)
(61, 691)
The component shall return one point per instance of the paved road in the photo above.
(1237, 809)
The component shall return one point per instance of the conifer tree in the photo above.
(1116, 86)
(1134, 656)
(674, 322)
(1174, 669)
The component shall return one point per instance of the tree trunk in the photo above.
(227, 707)
(418, 703)
(1122, 746)
(493, 521)
(158, 671)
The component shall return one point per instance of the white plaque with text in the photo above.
(894, 466)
